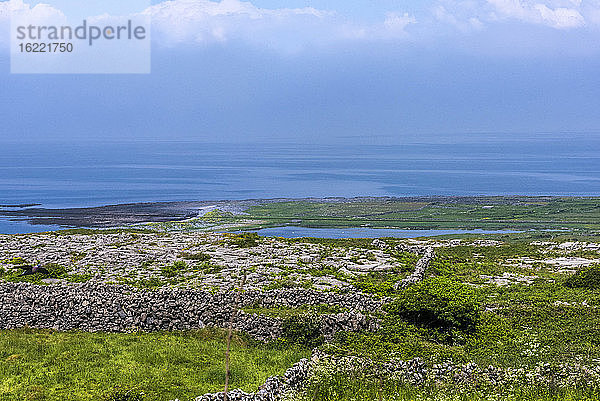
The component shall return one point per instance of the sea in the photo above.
(59, 174)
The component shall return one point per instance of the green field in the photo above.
(492, 213)
(486, 212)
(47, 365)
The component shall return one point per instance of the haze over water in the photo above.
(92, 174)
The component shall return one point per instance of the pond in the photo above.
(365, 232)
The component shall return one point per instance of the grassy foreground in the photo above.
(337, 388)
(47, 365)
(512, 303)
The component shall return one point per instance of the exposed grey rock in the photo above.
(117, 308)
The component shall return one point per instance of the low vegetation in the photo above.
(483, 302)
(47, 365)
(55, 271)
(585, 278)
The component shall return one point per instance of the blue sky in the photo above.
(330, 71)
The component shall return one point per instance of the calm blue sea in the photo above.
(92, 173)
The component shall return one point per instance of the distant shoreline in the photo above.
(20, 206)
(121, 215)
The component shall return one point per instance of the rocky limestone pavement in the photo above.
(427, 253)
(212, 260)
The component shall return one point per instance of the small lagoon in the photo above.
(18, 226)
(365, 232)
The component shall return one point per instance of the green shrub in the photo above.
(588, 277)
(376, 284)
(492, 335)
(169, 271)
(174, 269)
(210, 268)
(245, 240)
(443, 306)
(400, 340)
(56, 271)
(303, 330)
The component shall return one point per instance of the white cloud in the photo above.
(212, 21)
(205, 21)
(208, 21)
(465, 24)
(557, 14)
(37, 14)
(396, 23)
(292, 29)
(560, 18)
(540, 13)
(24, 14)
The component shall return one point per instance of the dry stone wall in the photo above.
(117, 308)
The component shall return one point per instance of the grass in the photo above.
(525, 324)
(485, 212)
(55, 271)
(491, 212)
(338, 387)
(47, 365)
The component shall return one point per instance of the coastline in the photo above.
(433, 212)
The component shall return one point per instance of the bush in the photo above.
(443, 306)
(588, 277)
(246, 240)
(174, 269)
(210, 268)
(376, 284)
(303, 330)
(492, 335)
(398, 341)
(56, 271)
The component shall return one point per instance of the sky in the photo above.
(326, 71)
